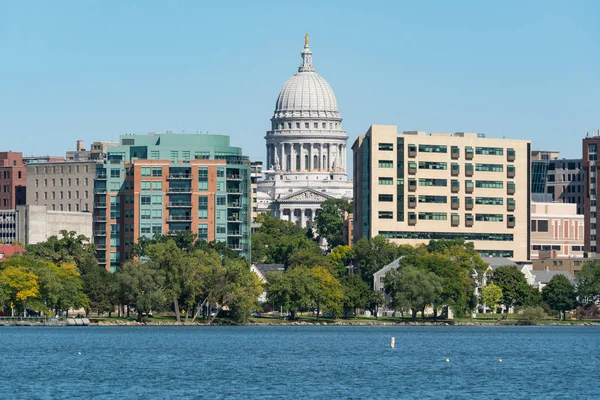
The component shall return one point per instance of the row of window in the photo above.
(61, 169)
(455, 183)
(298, 125)
(61, 182)
(440, 216)
(61, 195)
(432, 148)
(555, 247)
(468, 236)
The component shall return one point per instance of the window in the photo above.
(145, 200)
(155, 155)
(542, 225)
(221, 200)
(386, 146)
(203, 231)
(186, 156)
(432, 182)
(203, 179)
(157, 185)
(386, 215)
(220, 172)
(489, 184)
(433, 216)
(433, 199)
(146, 171)
(431, 148)
(156, 229)
(114, 173)
(157, 213)
(156, 199)
(145, 228)
(174, 156)
(492, 201)
(386, 164)
(489, 151)
(489, 167)
(386, 197)
(145, 214)
(489, 217)
(432, 165)
(145, 185)
(386, 181)
(156, 172)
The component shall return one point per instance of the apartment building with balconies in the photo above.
(165, 184)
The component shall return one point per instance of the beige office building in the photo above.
(557, 231)
(413, 187)
(61, 186)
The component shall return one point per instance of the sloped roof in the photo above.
(393, 265)
(544, 277)
(9, 250)
(264, 268)
(495, 262)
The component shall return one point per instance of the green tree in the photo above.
(491, 296)
(330, 221)
(376, 301)
(144, 285)
(370, 255)
(413, 288)
(71, 247)
(291, 290)
(560, 294)
(357, 294)
(340, 258)
(515, 290)
(326, 291)
(587, 282)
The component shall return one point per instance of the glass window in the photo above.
(386, 164)
(433, 216)
(145, 200)
(431, 148)
(146, 171)
(489, 184)
(156, 172)
(386, 181)
(156, 185)
(489, 167)
(386, 146)
(145, 185)
(432, 165)
(432, 182)
(489, 151)
(386, 197)
(386, 215)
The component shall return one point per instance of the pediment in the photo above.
(304, 196)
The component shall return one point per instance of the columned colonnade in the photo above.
(298, 156)
(300, 215)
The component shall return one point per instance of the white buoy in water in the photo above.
(447, 360)
(499, 360)
(393, 342)
(78, 352)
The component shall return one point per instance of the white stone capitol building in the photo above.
(306, 149)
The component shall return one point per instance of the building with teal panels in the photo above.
(166, 183)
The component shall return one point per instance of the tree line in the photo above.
(178, 273)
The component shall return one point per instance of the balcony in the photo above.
(233, 190)
(179, 204)
(180, 176)
(177, 231)
(101, 247)
(234, 218)
(469, 221)
(100, 190)
(455, 187)
(101, 177)
(179, 218)
(468, 203)
(412, 186)
(100, 204)
(454, 221)
(469, 189)
(179, 190)
(455, 153)
(510, 173)
(510, 207)
(412, 151)
(510, 222)
(99, 233)
(510, 190)
(412, 169)
(412, 219)
(100, 218)
(454, 205)
(234, 233)
(234, 205)
(469, 171)
(454, 171)
(234, 177)
(412, 202)
(510, 155)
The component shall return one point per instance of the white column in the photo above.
(302, 163)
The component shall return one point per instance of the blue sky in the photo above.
(94, 70)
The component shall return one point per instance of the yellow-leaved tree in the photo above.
(20, 285)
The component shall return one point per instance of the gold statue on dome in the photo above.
(306, 40)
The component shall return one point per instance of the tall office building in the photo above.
(61, 186)
(590, 192)
(12, 180)
(556, 180)
(413, 187)
(167, 184)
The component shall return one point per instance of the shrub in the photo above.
(531, 315)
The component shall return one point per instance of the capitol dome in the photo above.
(306, 94)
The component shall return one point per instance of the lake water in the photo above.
(299, 362)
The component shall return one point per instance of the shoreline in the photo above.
(344, 323)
